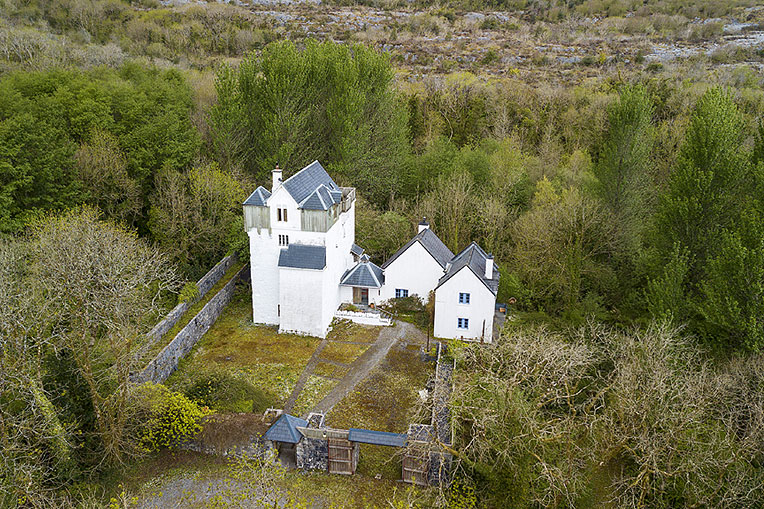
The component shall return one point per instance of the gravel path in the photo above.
(362, 366)
(314, 360)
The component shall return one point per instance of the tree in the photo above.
(193, 214)
(732, 295)
(91, 289)
(705, 190)
(102, 169)
(562, 247)
(451, 207)
(623, 169)
(327, 101)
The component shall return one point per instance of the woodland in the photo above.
(622, 198)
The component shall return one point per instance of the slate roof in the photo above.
(300, 256)
(475, 258)
(356, 250)
(366, 436)
(258, 198)
(363, 274)
(312, 188)
(431, 243)
(285, 429)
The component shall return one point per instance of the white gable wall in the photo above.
(301, 301)
(281, 199)
(479, 311)
(264, 259)
(414, 270)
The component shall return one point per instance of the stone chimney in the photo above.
(489, 267)
(423, 224)
(276, 179)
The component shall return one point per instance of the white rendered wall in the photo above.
(339, 239)
(415, 270)
(301, 301)
(479, 311)
(264, 259)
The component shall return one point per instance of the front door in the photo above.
(361, 296)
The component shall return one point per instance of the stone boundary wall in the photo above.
(204, 284)
(167, 360)
(440, 462)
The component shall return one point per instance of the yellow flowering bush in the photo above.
(170, 417)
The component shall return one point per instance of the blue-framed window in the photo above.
(401, 292)
(464, 298)
(463, 323)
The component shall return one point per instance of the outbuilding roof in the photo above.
(356, 250)
(366, 436)
(363, 274)
(432, 245)
(285, 429)
(258, 198)
(475, 258)
(301, 256)
(312, 188)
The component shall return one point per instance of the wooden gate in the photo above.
(342, 459)
(416, 464)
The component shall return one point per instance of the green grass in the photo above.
(162, 474)
(384, 401)
(345, 330)
(270, 361)
(315, 389)
(330, 370)
(345, 353)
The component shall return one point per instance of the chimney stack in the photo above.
(489, 267)
(423, 224)
(276, 179)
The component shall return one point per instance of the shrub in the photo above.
(225, 392)
(166, 418)
(189, 293)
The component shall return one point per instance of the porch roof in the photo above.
(364, 274)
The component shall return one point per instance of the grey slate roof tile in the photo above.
(363, 274)
(356, 250)
(366, 436)
(285, 429)
(431, 243)
(300, 256)
(475, 258)
(258, 198)
(307, 181)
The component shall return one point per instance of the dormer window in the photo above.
(281, 215)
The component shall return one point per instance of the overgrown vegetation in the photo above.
(609, 154)
(600, 416)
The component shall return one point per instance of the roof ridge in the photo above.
(300, 171)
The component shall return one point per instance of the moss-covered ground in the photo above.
(385, 401)
(270, 361)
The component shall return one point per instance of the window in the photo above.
(281, 214)
(463, 323)
(283, 240)
(464, 298)
(401, 292)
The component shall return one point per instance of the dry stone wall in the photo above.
(166, 362)
(204, 284)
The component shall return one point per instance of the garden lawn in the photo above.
(271, 362)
